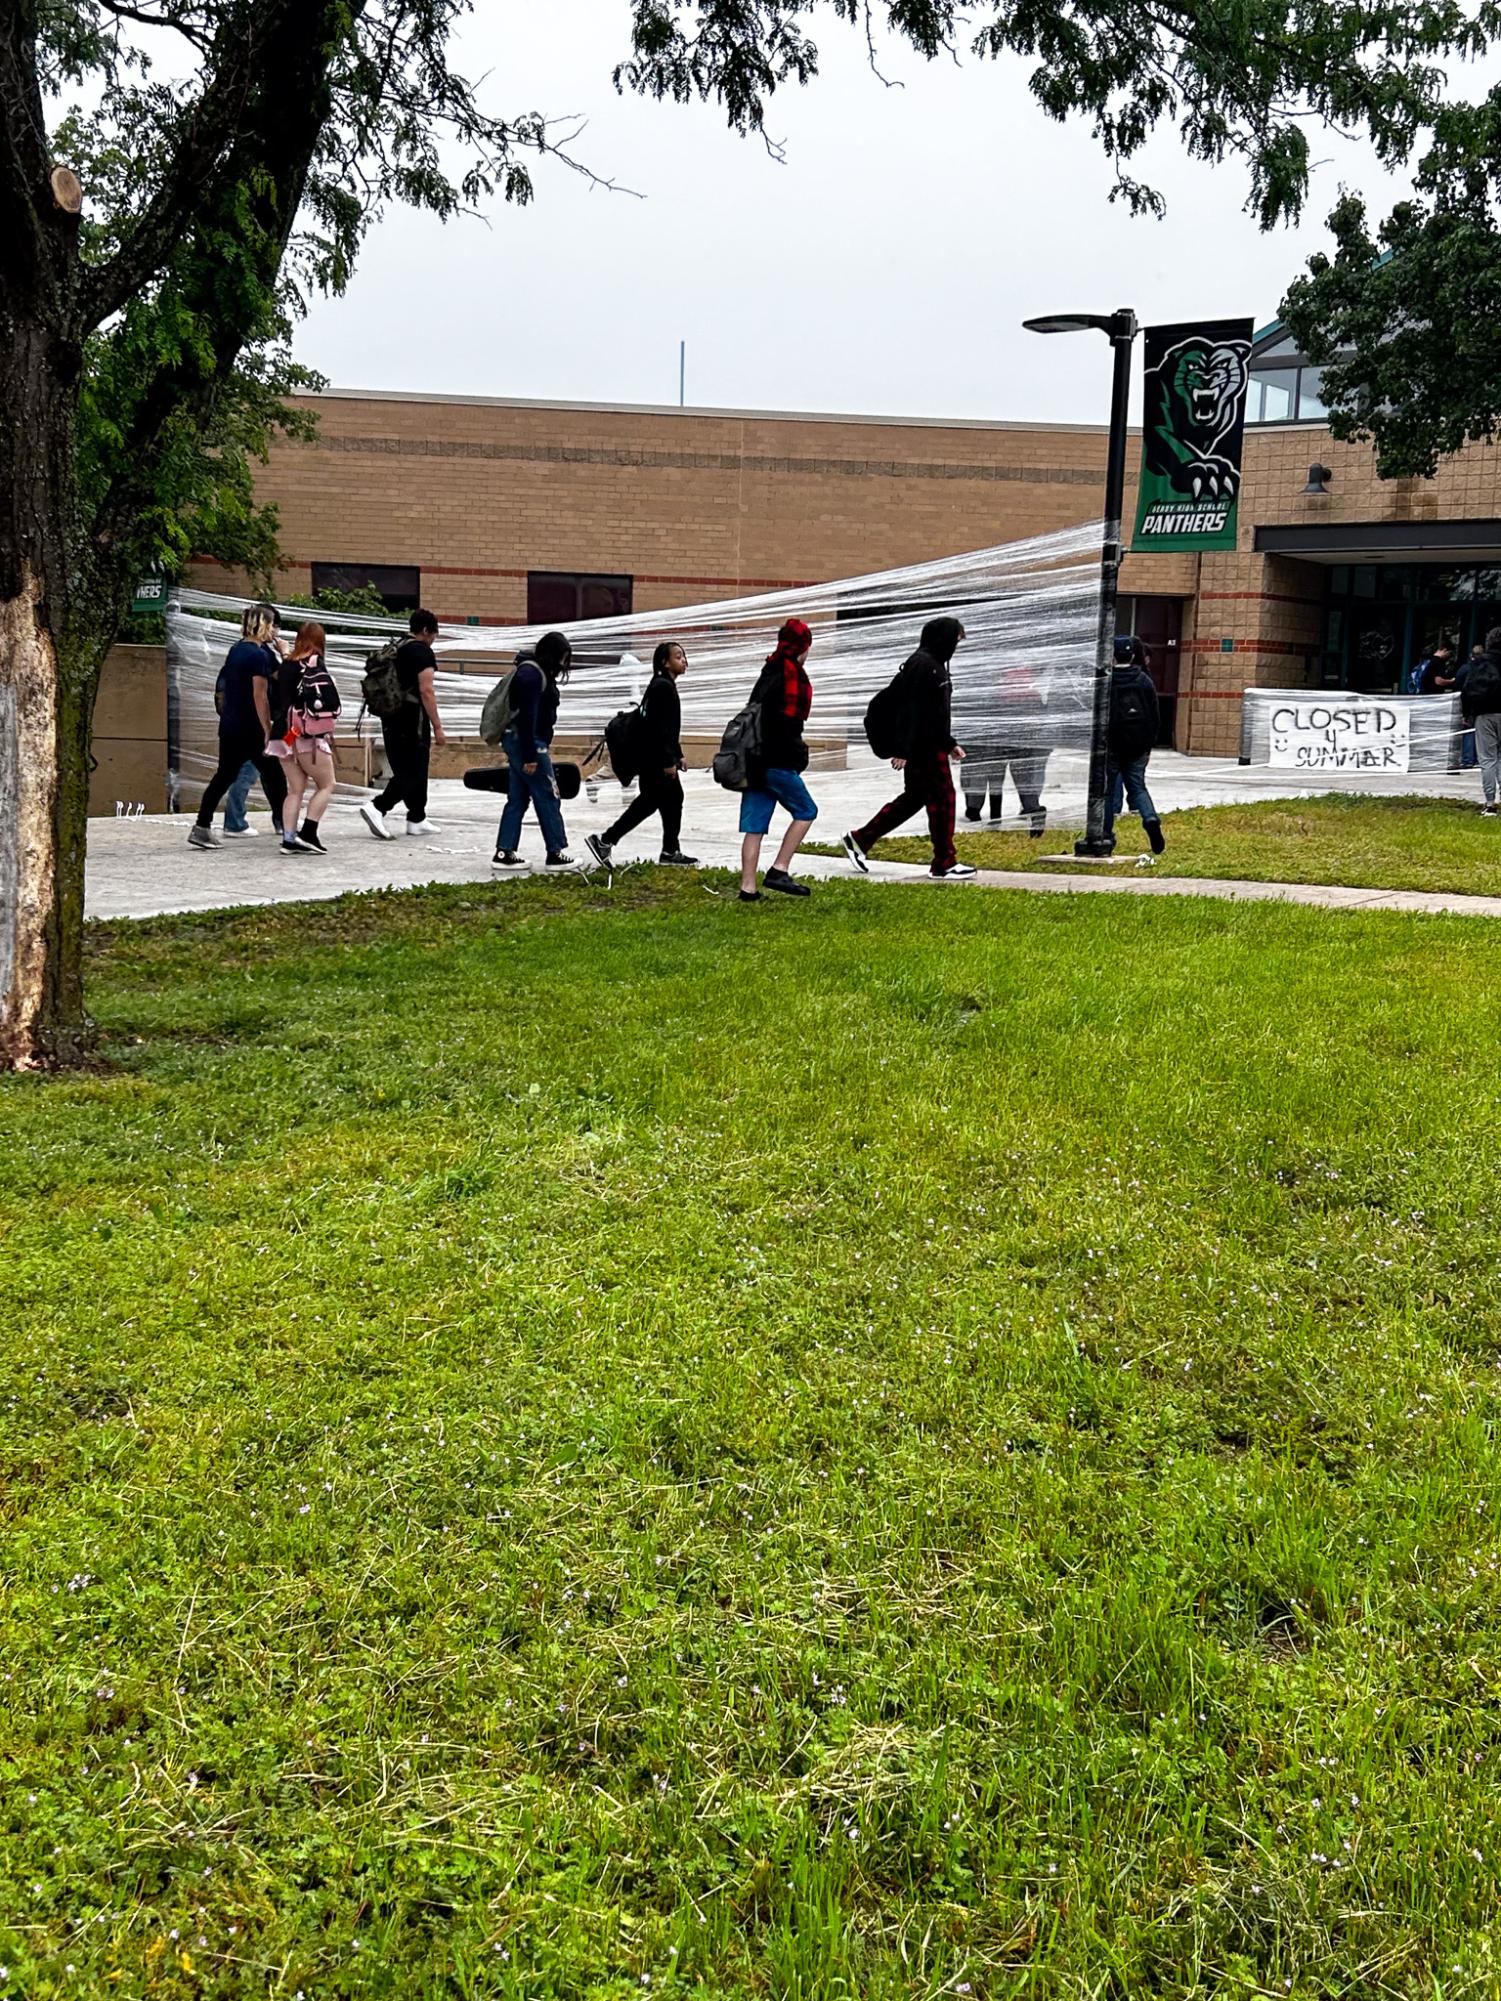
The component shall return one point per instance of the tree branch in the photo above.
(207, 160)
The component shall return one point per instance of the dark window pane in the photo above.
(605, 597)
(398, 585)
(562, 597)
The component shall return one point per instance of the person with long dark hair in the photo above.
(540, 672)
(925, 685)
(661, 792)
(244, 721)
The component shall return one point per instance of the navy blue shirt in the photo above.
(248, 662)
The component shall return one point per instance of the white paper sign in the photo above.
(1314, 734)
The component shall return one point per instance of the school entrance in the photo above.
(1384, 617)
(1393, 590)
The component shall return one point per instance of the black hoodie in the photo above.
(928, 688)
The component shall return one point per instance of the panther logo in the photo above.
(1195, 398)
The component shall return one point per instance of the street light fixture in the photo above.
(1121, 329)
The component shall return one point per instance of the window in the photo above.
(1311, 404)
(562, 597)
(1271, 396)
(397, 586)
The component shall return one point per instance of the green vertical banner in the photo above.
(1193, 425)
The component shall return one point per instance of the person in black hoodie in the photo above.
(927, 687)
(1132, 733)
(661, 761)
(527, 743)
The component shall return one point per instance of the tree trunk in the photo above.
(48, 673)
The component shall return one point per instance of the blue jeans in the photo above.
(236, 819)
(1127, 782)
(539, 789)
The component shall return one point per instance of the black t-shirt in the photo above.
(247, 663)
(1432, 669)
(413, 658)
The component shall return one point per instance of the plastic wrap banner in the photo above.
(1193, 424)
(1325, 735)
(1022, 679)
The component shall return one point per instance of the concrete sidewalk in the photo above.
(145, 868)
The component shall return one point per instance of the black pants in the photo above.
(407, 749)
(236, 748)
(661, 792)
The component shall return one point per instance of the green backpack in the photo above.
(381, 686)
(501, 706)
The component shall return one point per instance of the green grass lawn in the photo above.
(908, 1445)
(1361, 842)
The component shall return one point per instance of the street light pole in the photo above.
(1121, 328)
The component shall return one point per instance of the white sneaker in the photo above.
(375, 822)
(956, 872)
(422, 827)
(239, 833)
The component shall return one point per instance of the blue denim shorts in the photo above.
(782, 788)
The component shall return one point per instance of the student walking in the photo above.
(1015, 737)
(527, 744)
(785, 696)
(1132, 732)
(661, 792)
(1480, 699)
(306, 709)
(925, 686)
(244, 722)
(410, 734)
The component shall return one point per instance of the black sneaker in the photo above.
(856, 854)
(955, 872)
(1039, 824)
(307, 837)
(973, 813)
(1156, 836)
(677, 859)
(778, 879)
(750, 896)
(562, 859)
(601, 849)
(507, 858)
(295, 848)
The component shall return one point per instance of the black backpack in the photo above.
(738, 748)
(1482, 688)
(888, 721)
(624, 734)
(1129, 714)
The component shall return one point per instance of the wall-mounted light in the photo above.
(1318, 478)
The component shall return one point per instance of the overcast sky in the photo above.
(885, 267)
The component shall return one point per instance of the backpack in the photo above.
(1415, 677)
(1129, 714)
(315, 700)
(623, 743)
(740, 744)
(1482, 689)
(380, 686)
(888, 721)
(501, 707)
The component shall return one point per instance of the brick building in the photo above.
(506, 512)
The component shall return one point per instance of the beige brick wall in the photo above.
(691, 505)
